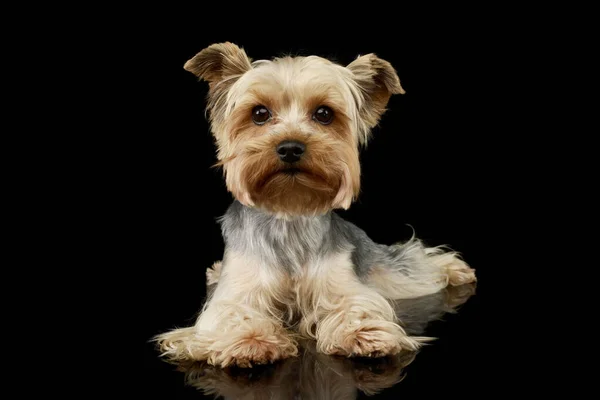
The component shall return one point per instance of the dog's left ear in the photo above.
(219, 62)
(221, 65)
(378, 81)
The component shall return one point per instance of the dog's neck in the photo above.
(287, 242)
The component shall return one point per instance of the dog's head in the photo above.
(288, 130)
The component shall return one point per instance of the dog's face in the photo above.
(288, 130)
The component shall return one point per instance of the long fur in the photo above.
(292, 267)
(313, 375)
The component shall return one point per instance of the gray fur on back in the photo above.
(292, 243)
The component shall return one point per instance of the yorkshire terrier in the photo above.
(288, 132)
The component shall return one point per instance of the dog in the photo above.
(288, 132)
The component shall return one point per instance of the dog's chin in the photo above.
(294, 191)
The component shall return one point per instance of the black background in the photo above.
(440, 161)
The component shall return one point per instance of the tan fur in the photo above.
(346, 317)
(438, 269)
(459, 273)
(242, 323)
(312, 375)
(292, 89)
(219, 64)
(378, 81)
(256, 176)
(213, 273)
(246, 318)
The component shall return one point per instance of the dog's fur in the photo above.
(292, 267)
(313, 375)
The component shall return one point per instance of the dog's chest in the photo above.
(292, 246)
(289, 245)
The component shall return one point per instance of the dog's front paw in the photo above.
(252, 349)
(242, 348)
(369, 339)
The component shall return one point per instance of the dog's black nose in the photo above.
(290, 151)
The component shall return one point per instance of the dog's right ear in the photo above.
(219, 62)
(378, 81)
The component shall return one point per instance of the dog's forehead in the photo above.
(299, 76)
(297, 68)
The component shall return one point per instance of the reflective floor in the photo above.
(316, 376)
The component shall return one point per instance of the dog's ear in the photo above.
(219, 62)
(221, 65)
(378, 81)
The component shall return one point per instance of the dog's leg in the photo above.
(242, 323)
(346, 316)
(412, 270)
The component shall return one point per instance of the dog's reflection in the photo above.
(313, 375)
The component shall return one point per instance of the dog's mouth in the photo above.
(297, 172)
(298, 188)
(291, 171)
(293, 175)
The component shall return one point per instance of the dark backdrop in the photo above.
(437, 162)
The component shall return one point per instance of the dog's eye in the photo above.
(323, 115)
(260, 115)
